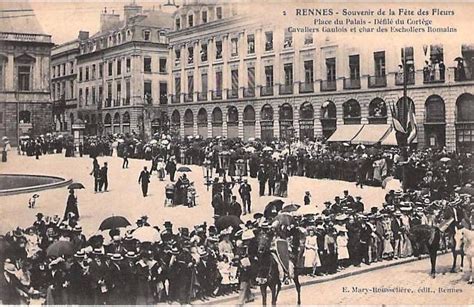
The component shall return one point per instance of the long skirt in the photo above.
(311, 259)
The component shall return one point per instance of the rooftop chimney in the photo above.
(131, 10)
(83, 35)
(108, 21)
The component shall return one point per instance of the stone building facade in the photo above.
(238, 75)
(25, 50)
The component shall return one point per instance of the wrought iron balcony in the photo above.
(188, 97)
(328, 85)
(175, 98)
(217, 95)
(377, 81)
(306, 87)
(249, 92)
(434, 76)
(463, 74)
(410, 78)
(351, 83)
(266, 90)
(232, 93)
(286, 89)
(202, 96)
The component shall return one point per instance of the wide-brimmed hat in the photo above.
(80, 254)
(98, 252)
(116, 257)
(39, 214)
(174, 251)
(202, 252)
(131, 255)
(77, 228)
(35, 195)
(248, 234)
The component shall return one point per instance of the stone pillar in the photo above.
(276, 121)
(296, 118)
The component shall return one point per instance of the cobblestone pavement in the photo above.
(124, 196)
(407, 283)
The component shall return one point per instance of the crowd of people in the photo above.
(54, 261)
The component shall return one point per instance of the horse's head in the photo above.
(264, 241)
(459, 239)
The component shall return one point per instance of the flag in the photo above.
(412, 129)
(396, 123)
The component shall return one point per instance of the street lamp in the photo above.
(207, 172)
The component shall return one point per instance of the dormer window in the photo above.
(177, 54)
(146, 35)
(204, 16)
(129, 34)
(178, 24)
(218, 12)
(119, 38)
(190, 20)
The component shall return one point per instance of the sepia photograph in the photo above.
(259, 152)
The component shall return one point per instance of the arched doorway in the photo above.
(249, 123)
(306, 121)
(377, 111)
(286, 122)
(217, 122)
(351, 112)
(175, 123)
(465, 123)
(232, 123)
(202, 122)
(117, 123)
(328, 118)
(188, 122)
(108, 124)
(266, 123)
(435, 122)
(126, 122)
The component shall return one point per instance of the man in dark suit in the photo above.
(262, 179)
(171, 168)
(358, 206)
(144, 179)
(396, 225)
(244, 192)
(104, 182)
(234, 208)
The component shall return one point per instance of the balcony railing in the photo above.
(202, 96)
(328, 85)
(307, 87)
(463, 74)
(175, 98)
(266, 90)
(232, 93)
(286, 89)
(188, 97)
(217, 95)
(434, 76)
(410, 78)
(249, 92)
(351, 83)
(163, 99)
(377, 81)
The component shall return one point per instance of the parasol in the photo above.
(273, 208)
(146, 234)
(290, 208)
(75, 186)
(184, 169)
(224, 222)
(445, 159)
(60, 248)
(114, 222)
(309, 209)
(267, 148)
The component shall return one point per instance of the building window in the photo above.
(128, 64)
(147, 92)
(190, 55)
(101, 95)
(87, 96)
(93, 95)
(163, 93)
(268, 41)
(218, 12)
(379, 63)
(146, 35)
(2, 78)
(177, 86)
(190, 84)
(93, 72)
(234, 43)
(287, 39)
(269, 75)
(308, 72)
(80, 74)
(163, 65)
(219, 81)
(288, 70)
(127, 93)
(119, 95)
(111, 68)
(87, 73)
(177, 55)
(203, 52)
(71, 89)
(251, 77)
(101, 70)
(308, 38)
(354, 67)
(204, 16)
(108, 103)
(178, 24)
(24, 117)
(24, 75)
(204, 82)
(331, 69)
(1, 117)
(190, 20)
(218, 50)
(250, 44)
(147, 64)
(80, 97)
(119, 67)
(235, 81)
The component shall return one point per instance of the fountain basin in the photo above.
(11, 184)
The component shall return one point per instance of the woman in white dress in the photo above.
(311, 256)
(406, 248)
(388, 236)
(342, 251)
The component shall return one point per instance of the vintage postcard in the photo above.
(236, 152)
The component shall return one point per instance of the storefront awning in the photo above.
(390, 139)
(345, 133)
(371, 134)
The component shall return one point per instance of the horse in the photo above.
(268, 274)
(426, 238)
(466, 242)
